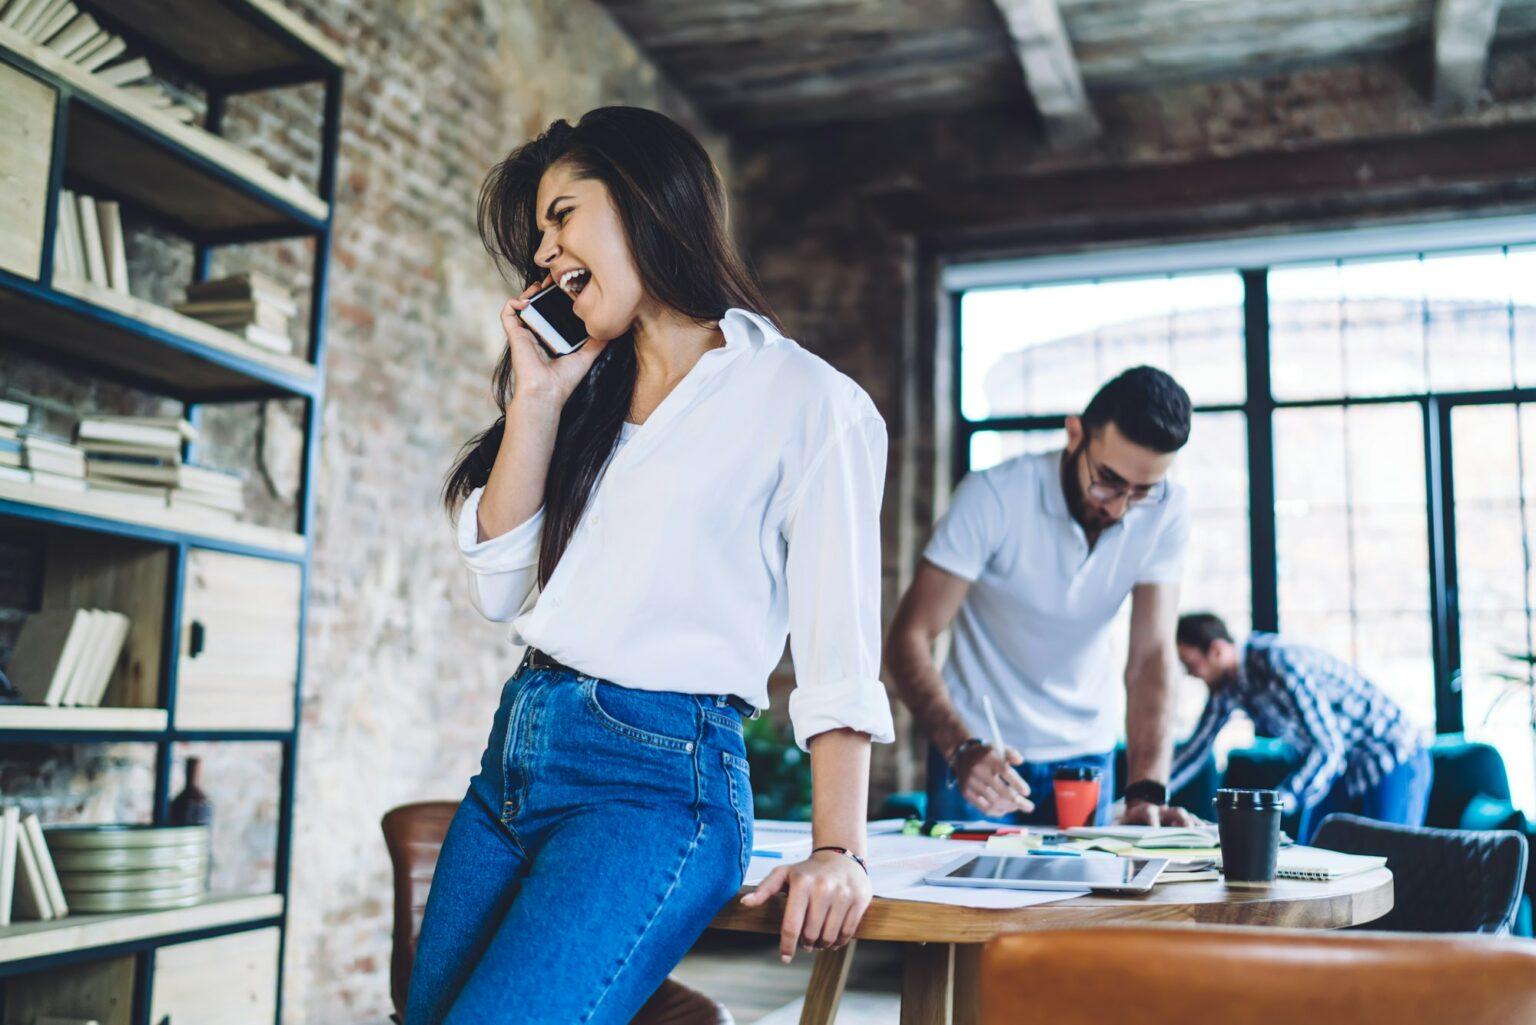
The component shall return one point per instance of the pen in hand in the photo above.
(1002, 752)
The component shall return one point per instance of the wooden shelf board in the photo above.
(106, 506)
(231, 40)
(81, 323)
(28, 940)
(120, 146)
(67, 718)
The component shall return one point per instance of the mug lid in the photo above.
(1234, 797)
(1076, 772)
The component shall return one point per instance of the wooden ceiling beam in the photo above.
(1469, 167)
(1463, 32)
(1050, 70)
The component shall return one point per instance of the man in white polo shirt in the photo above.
(1031, 563)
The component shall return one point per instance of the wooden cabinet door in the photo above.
(238, 665)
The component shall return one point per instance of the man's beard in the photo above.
(1077, 503)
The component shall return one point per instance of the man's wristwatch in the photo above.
(1148, 790)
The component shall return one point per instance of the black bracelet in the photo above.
(954, 756)
(846, 851)
(1148, 790)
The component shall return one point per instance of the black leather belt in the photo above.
(537, 659)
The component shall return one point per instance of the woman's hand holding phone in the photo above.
(539, 379)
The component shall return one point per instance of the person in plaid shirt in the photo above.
(1359, 752)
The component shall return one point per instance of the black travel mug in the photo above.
(1249, 822)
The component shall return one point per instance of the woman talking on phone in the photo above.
(653, 512)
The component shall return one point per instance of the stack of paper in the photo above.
(53, 462)
(251, 305)
(67, 657)
(139, 459)
(12, 462)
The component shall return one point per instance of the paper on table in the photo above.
(898, 863)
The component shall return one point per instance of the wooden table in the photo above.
(943, 943)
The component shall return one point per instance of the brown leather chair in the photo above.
(1256, 976)
(414, 834)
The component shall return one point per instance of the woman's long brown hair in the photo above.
(672, 204)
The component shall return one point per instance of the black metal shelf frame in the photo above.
(265, 383)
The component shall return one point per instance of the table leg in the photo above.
(928, 984)
(829, 973)
(968, 983)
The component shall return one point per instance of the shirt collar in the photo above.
(1052, 498)
(745, 328)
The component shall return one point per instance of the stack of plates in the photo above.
(129, 868)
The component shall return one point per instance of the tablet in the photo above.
(1050, 872)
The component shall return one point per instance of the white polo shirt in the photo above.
(1033, 630)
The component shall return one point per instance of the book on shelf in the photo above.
(79, 31)
(57, 481)
(129, 71)
(251, 286)
(91, 57)
(10, 828)
(14, 413)
(15, 473)
(150, 432)
(34, 832)
(69, 249)
(38, 894)
(42, 454)
(144, 496)
(114, 253)
(90, 237)
(67, 657)
(48, 18)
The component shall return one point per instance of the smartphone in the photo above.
(551, 316)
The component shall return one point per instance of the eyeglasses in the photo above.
(1101, 490)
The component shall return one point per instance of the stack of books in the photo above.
(74, 35)
(138, 458)
(250, 305)
(29, 883)
(67, 657)
(53, 462)
(13, 415)
(90, 241)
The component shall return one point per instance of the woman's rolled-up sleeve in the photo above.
(833, 570)
(503, 569)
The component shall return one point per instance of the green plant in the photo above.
(781, 772)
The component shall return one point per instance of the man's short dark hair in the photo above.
(1147, 406)
(1199, 630)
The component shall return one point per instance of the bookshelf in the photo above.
(197, 667)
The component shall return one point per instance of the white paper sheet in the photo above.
(898, 863)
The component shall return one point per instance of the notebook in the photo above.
(1317, 865)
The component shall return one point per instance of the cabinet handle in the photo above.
(199, 635)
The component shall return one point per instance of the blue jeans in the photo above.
(604, 830)
(946, 802)
(1401, 796)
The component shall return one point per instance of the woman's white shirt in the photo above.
(747, 506)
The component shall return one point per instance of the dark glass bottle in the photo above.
(191, 807)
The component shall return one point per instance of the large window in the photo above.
(1390, 513)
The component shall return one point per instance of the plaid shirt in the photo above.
(1338, 721)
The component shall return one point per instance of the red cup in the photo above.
(1076, 789)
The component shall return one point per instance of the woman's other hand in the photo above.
(828, 895)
